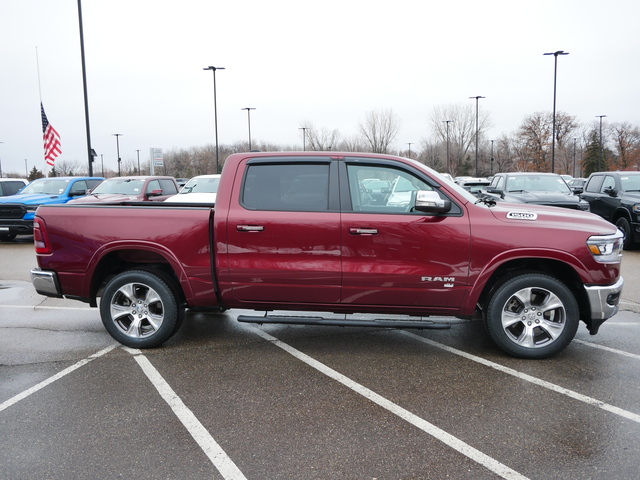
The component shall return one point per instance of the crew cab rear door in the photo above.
(283, 231)
(393, 256)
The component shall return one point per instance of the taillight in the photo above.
(40, 237)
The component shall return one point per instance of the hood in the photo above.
(201, 197)
(36, 199)
(106, 198)
(559, 218)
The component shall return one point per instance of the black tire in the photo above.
(532, 316)
(623, 224)
(7, 237)
(140, 309)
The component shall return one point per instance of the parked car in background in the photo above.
(17, 211)
(577, 185)
(200, 189)
(534, 188)
(474, 185)
(615, 196)
(136, 188)
(11, 186)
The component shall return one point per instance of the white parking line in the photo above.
(523, 376)
(211, 448)
(608, 349)
(448, 439)
(52, 379)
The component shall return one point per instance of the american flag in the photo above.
(52, 146)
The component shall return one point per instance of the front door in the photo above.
(393, 256)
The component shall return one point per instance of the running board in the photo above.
(292, 320)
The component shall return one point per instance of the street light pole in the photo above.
(304, 138)
(478, 97)
(575, 139)
(491, 170)
(447, 122)
(117, 135)
(138, 151)
(215, 111)
(553, 134)
(248, 109)
(409, 143)
(601, 162)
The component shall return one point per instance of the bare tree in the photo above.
(626, 138)
(380, 128)
(455, 127)
(321, 139)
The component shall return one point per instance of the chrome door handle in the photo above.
(249, 228)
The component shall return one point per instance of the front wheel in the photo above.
(623, 225)
(139, 309)
(532, 316)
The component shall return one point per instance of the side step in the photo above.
(379, 323)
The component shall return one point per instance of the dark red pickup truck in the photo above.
(301, 232)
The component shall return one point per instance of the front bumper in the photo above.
(46, 283)
(604, 302)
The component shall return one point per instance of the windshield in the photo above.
(46, 187)
(120, 186)
(537, 183)
(201, 185)
(630, 183)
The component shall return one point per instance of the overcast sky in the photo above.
(326, 63)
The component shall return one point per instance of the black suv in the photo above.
(615, 196)
(534, 188)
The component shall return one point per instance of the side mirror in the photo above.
(428, 201)
(77, 193)
(577, 190)
(155, 193)
(495, 191)
(612, 192)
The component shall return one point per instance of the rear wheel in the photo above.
(532, 316)
(140, 309)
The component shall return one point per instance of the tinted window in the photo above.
(287, 187)
(10, 188)
(608, 184)
(594, 184)
(78, 187)
(168, 187)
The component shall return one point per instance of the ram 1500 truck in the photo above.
(300, 232)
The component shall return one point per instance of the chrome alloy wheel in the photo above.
(533, 317)
(137, 310)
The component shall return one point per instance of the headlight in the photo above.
(31, 208)
(606, 248)
(636, 208)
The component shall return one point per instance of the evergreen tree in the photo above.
(34, 174)
(594, 160)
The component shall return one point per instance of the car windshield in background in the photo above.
(46, 187)
(537, 183)
(201, 185)
(119, 186)
(630, 183)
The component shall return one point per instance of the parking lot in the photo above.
(225, 400)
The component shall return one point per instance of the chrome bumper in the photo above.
(46, 283)
(604, 300)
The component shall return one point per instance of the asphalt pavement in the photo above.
(224, 400)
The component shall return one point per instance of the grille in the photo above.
(12, 211)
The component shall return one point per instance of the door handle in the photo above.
(249, 228)
(363, 231)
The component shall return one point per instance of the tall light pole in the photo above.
(553, 134)
(478, 97)
(248, 109)
(118, 135)
(409, 143)
(575, 139)
(304, 137)
(447, 122)
(1, 164)
(215, 111)
(601, 162)
(102, 163)
(138, 152)
(491, 171)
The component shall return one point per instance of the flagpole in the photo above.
(84, 85)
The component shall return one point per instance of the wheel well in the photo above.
(621, 212)
(122, 260)
(558, 270)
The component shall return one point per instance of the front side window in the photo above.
(287, 187)
(382, 189)
(608, 184)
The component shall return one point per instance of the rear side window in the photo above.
(287, 187)
(168, 187)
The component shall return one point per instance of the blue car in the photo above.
(17, 211)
